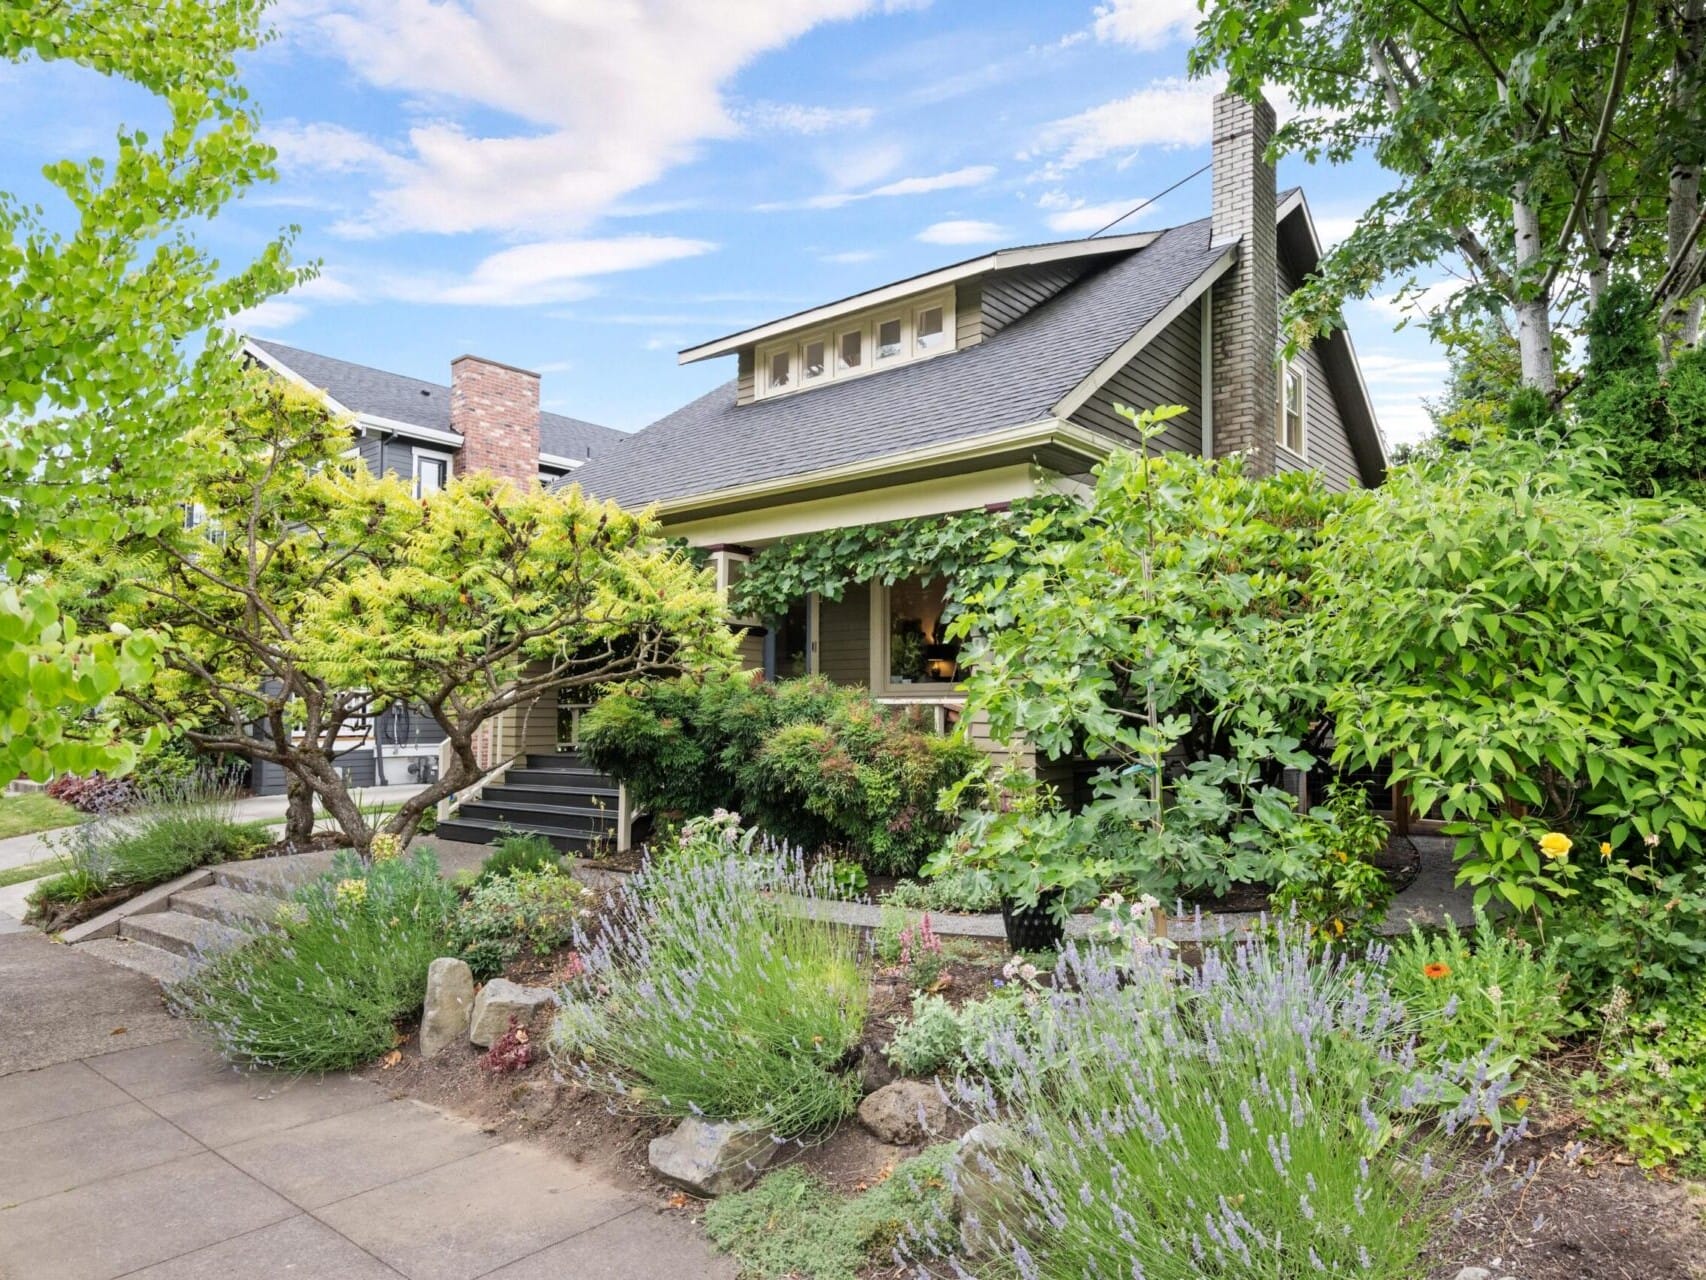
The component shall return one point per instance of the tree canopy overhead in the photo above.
(1543, 146)
(103, 297)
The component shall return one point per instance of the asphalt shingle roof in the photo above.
(1014, 377)
(362, 389)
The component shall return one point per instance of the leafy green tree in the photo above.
(1524, 646)
(100, 302)
(1542, 144)
(313, 595)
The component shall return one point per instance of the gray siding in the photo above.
(746, 384)
(1326, 447)
(1007, 295)
(1167, 371)
(968, 313)
(844, 636)
(358, 763)
(387, 453)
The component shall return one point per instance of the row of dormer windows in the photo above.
(912, 329)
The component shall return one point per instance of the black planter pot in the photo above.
(1033, 928)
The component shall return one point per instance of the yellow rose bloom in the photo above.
(1555, 844)
(1605, 848)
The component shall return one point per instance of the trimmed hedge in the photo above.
(819, 765)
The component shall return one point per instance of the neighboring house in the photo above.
(487, 419)
(995, 379)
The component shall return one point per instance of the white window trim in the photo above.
(1286, 369)
(905, 310)
(721, 559)
(880, 684)
(415, 456)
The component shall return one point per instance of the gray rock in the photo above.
(498, 1001)
(981, 1187)
(449, 1005)
(874, 1069)
(904, 1113)
(1474, 1273)
(707, 1158)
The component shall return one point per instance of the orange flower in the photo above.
(1436, 970)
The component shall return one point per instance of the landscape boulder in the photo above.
(904, 1113)
(449, 1005)
(709, 1158)
(981, 1190)
(499, 1001)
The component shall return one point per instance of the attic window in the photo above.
(900, 332)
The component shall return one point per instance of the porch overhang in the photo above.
(997, 466)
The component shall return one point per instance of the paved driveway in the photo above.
(128, 1150)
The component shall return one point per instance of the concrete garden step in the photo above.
(165, 967)
(189, 936)
(228, 906)
(274, 877)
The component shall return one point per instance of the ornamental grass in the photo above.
(710, 991)
(1261, 1117)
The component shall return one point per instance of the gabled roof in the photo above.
(1015, 376)
(403, 402)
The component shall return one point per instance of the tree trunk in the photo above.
(298, 812)
(1599, 231)
(1680, 326)
(1533, 313)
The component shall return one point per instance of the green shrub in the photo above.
(709, 992)
(1470, 993)
(519, 851)
(1650, 1095)
(524, 912)
(929, 1040)
(1327, 876)
(961, 889)
(325, 993)
(791, 1225)
(812, 763)
(1634, 927)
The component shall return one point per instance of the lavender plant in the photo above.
(711, 990)
(1251, 1119)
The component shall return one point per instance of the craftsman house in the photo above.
(995, 379)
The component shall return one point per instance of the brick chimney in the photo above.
(1246, 298)
(495, 409)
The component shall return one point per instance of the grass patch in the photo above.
(31, 811)
(30, 871)
(792, 1225)
(326, 992)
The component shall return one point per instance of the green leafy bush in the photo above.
(958, 889)
(929, 1040)
(792, 1226)
(1634, 927)
(325, 992)
(1328, 878)
(709, 991)
(819, 765)
(519, 851)
(1472, 993)
(1650, 1095)
(524, 912)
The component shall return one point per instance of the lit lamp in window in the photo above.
(940, 661)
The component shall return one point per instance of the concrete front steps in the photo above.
(170, 932)
(558, 796)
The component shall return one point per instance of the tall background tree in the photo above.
(104, 298)
(1544, 145)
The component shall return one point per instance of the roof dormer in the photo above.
(906, 329)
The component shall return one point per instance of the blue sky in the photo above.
(583, 187)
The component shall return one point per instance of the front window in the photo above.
(781, 369)
(788, 653)
(852, 350)
(888, 338)
(1291, 391)
(917, 652)
(432, 472)
(815, 364)
(928, 332)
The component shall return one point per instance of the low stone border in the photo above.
(158, 898)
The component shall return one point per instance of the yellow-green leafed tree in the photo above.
(306, 595)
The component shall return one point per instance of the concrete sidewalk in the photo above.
(127, 1150)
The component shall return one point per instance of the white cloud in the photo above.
(1424, 299)
(962, 231)
(1333, 228)
(1168, 113)
(1402, 420)
(548, 271)
(848, 256)
(970, 176)
(268, 316)
(1082, 219)
(1145, 24)
(329, 148)
(1387, 369)
(554, 70)
(788, 117)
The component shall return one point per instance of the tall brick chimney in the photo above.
(495, 409)
(1246, 298)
